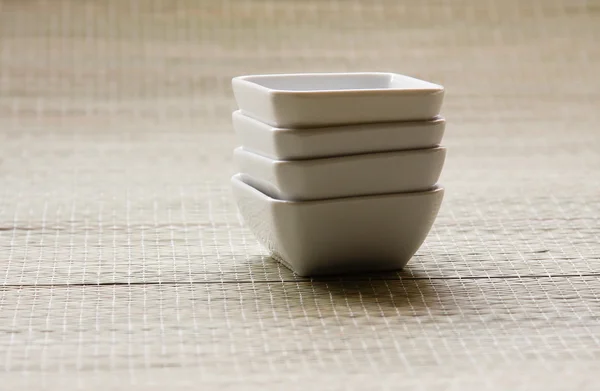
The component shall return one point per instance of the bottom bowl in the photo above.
(342, 235)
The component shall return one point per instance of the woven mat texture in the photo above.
(125, 266)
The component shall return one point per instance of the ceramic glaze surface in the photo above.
(322, 99)
(356, 234)
(356, 175)
(293, 144)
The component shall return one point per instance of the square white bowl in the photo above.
(356, 234)
(345, 176)
(290, 144)
(323, 99)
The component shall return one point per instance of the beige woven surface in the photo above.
(123, 263)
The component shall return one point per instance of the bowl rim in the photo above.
(365, 155)
(431, 89)
(237, 181)
(437, 120)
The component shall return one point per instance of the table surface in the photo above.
(124, 264)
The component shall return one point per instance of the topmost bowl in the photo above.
(320, 99)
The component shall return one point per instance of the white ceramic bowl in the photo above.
(321, 99)
(290, 144)
(346, 176)
(356, 234)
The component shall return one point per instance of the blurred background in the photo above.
(145, 69)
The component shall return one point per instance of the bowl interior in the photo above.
(339, 82)
(315, 82)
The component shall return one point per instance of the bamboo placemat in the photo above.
(124, 264)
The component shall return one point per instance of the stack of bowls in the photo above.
(338, 171)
